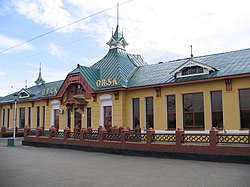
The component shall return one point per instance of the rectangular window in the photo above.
(37, 116)
(29, 116)
(43, 116)
(3, 117)
(217, 111)
(149, 112)
(88, 117)
(193, 111)
(21, 118)
(8, 118)
(136, 112)
(244, 96)
(68, 118)
(171, 112)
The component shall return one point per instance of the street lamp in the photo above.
(14, 118)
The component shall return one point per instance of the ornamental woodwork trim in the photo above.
(116, 94)
(229, 87)
(76, 78)
(94, 95)
(158, 91)
(47, 102)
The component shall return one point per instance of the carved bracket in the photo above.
(158, 91)
(116, 94)
(94, 95)
(229, 87)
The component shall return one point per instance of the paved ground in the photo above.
(23, 166)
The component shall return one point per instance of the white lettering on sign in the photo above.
(106, 82)
(49, 91)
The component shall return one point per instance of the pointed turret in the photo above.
(40, 80)
(117, 40)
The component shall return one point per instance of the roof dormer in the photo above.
(192, 68)
(23, 94)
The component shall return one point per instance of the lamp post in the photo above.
(14, 119)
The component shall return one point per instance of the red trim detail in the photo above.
(116, 94)
(73, 101)
(76, 78)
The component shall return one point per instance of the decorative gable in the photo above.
(23, 94)
(75, 84)
(192, 68)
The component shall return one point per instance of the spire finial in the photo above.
(191, 51)
(117, 14)
(40, 80)
(40, 68)
(26, 84)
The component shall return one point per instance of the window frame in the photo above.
(149, 117)
(244, 109)
(134, 124)
(216, 111)
(171, 113)
(193, 113)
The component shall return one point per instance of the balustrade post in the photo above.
(102, 131)
(115, 130)
(3, 130)
(83, 131)
(213, 136)
(179, 136)
(124, 132)
(150, 132)
(66, 133)
(138, 129)
(26, 131)
(249, 138)
(52, 132)
(89, 130)
(38, 131)
(76, 128)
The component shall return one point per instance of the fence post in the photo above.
(150, 132)
(137, 129)
(179, 136)
(249, 138)
(83, 131)
(115, 130)
(52, 132)
(3, 130)
(76, 128)
(66, 132)
(26, 131)
(89, 130)
(38, 131)
(102, 131)
(213, 137)
(124, 132)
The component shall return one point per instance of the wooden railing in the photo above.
(180, 141)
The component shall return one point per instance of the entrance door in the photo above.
(78, 117)
(56, 118)
(107, 117)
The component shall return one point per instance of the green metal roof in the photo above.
(88, 73)
(228, 63)
(39, 91)
(116, 64)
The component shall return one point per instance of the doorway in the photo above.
(56, 119)
(78, 117)
(107, 117)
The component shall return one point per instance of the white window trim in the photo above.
(105, 100)
(131, 113)
(54, 105)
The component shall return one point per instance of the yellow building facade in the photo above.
(121, 89)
